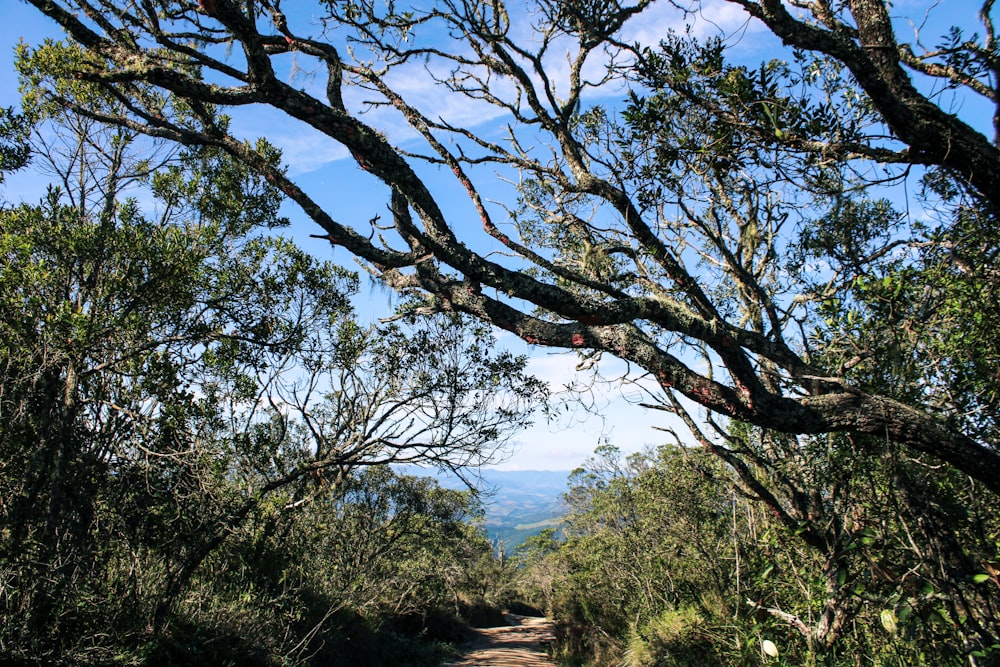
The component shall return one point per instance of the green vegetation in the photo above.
(196, 431)
(668, 560)
(794, 258)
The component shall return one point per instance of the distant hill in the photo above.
(525, 502)
(518, 503)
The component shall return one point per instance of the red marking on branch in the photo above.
(702, 394)
(530, 340)
(578, 340)
(329, 237)
(483, 215)
(745, 393)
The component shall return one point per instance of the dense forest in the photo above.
(780, 218)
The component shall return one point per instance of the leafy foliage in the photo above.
(666, 562)
(193, 424)
(14, 149)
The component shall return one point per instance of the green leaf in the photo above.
(888, 619)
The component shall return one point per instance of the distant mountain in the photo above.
(518, 503)
(524, 503)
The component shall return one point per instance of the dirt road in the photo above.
(522, 644)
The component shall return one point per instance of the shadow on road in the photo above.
(523, 643)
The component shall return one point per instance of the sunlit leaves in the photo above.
(14, 149)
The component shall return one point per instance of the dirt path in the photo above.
(522, 644)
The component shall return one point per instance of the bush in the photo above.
(481, 614)
(675, 638)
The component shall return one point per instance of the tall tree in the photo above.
(170, 373)
(654, 236)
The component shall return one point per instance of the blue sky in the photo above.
(326, 170)
(560, 445)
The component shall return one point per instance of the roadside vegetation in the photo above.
(196, 432)
(665, 560)
(792, 255)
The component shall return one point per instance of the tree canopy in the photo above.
(188, 406)
(725, 228)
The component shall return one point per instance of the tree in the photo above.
(365, 574)
(172, 374)
(668, 559)
(396, 541)
(648, 538)
(654, 237)
(108, 316)
(861, 35)
(14, 150)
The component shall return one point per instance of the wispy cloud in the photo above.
(568, 439)
(706, 19)
(309, 151)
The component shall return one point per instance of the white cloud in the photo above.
(419, 86)
(570, 438)
(708, 19)
(305, 152)
(303, 149)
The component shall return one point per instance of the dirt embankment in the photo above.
(521, 644)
